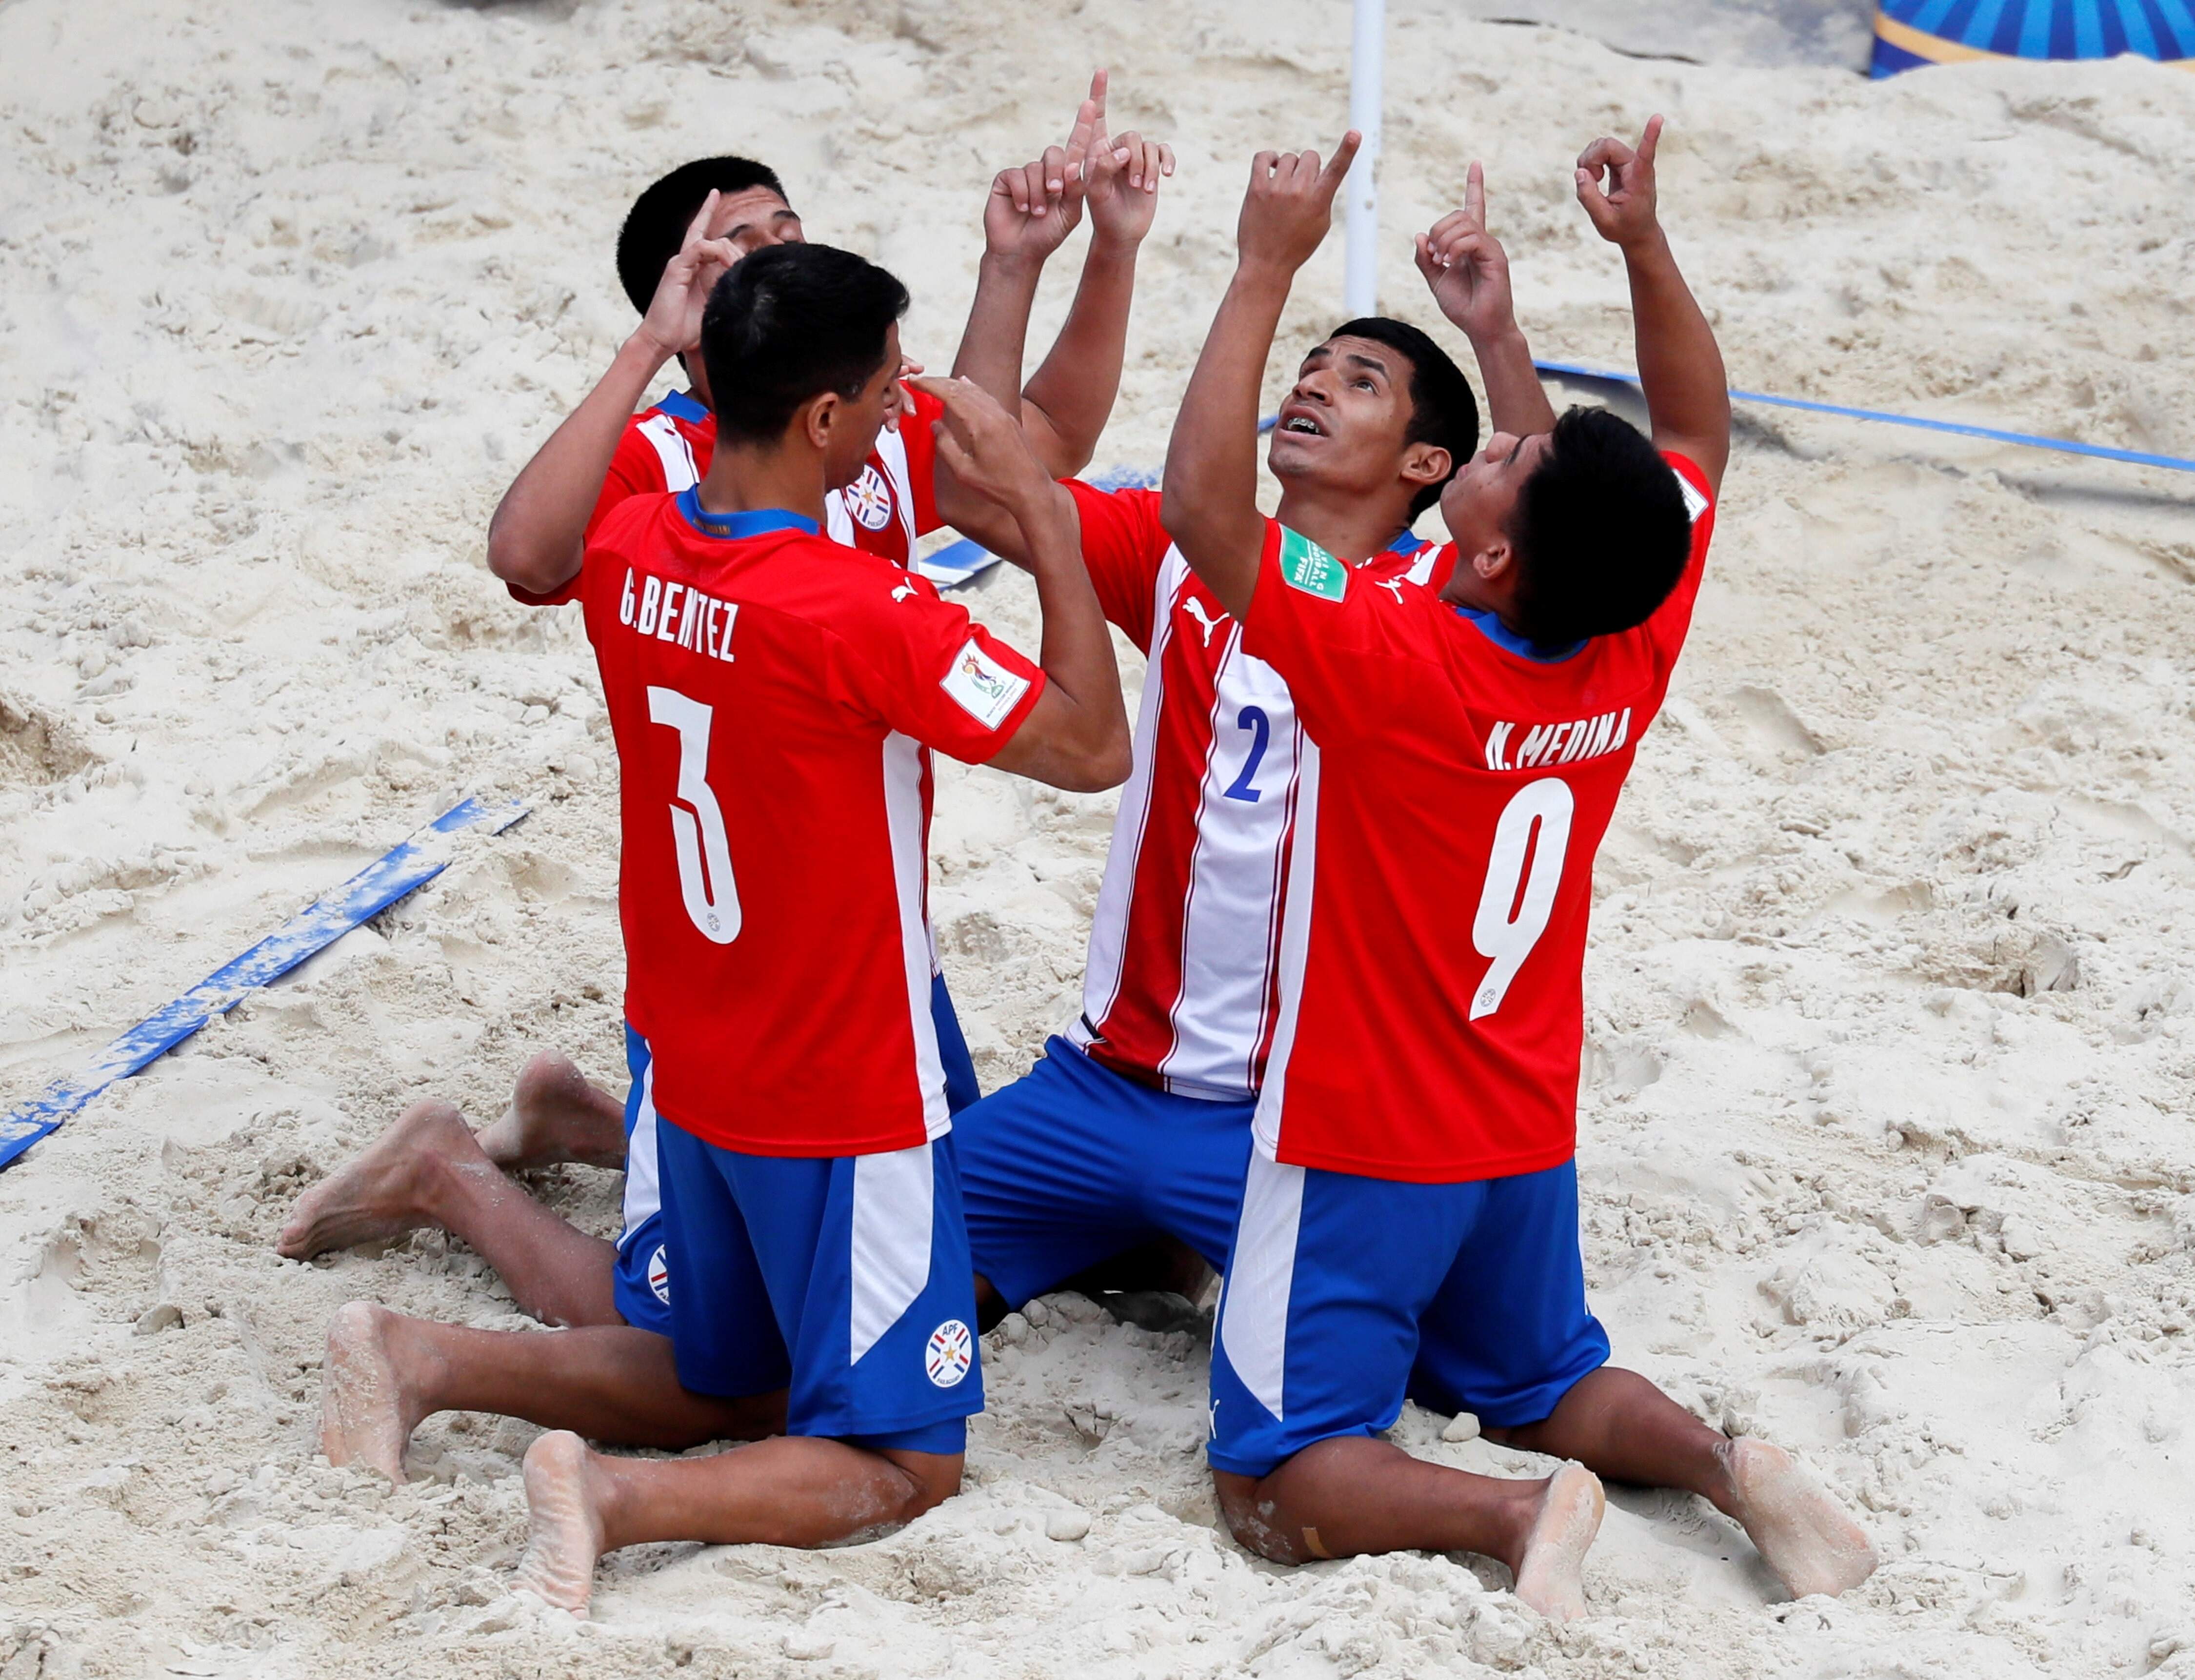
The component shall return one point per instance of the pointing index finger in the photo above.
(1344, 154)
(1651, 139)
(1474, 194)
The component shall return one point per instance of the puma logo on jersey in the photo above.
(1196, 611)
(1546, 744)
(902, 591)
(1394, 585)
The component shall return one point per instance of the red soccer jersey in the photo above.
(773, 695)
(668, 448)
(1453, 791)
(1181, 988)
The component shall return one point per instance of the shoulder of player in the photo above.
(1692, 480)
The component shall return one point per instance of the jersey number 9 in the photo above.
(1508, 925)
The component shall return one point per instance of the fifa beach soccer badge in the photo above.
(868, 498)
(981, 686)
(1310, 568)
(950, 1354)
(659, 1275)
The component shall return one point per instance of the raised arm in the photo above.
(1030, 211)
(1067, 400)
(1680, 364)
(539, 533)
(1468, 272)
(1076, 736)
(1210, 502)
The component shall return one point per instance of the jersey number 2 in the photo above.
(697, 825)
(1509, 923)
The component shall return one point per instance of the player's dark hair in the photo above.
(1600, 531)
(789, 323)
(655, 226)
(1444, 412)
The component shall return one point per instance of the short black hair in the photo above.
(1600, 530)
(790, 323)
(655, 226)
(1444, 412)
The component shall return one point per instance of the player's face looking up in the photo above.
(754, 218)
(1347, 414)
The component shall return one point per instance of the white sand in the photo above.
(1886, 1136)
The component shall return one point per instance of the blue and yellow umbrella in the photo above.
(1909, 33)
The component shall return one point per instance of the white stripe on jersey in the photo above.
(902, 774)
(1109, 923)
(679, 472)
(891, 450)
(894, 1201)
(1228, 920)
(1295, 939)
(643, 1188)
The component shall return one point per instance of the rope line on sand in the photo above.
(403, 870)
(2026, 440)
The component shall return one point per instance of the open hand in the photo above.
(1290, 205)
(1622, 210)
(673, 320)
(983, 447)
(1467, 267)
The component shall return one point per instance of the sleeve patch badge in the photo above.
(1309, 567)
(983, 687)
(1695, 503)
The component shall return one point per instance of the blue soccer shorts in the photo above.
(844, 1280)
(1072, 1164)
(1344, 1295)
(640, 1283)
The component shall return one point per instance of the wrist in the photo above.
(1263, 274)
(1112, 248)
(1651, 246)
(1013, 266)
(643, 350)
(1486, 340)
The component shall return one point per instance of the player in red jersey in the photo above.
(774, 698)
(385, 1371)
(1410, 1218)
(1135, 1124)
(536, 535)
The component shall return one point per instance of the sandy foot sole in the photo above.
(1801, 1532)
(1551, 1578)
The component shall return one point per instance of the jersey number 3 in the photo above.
(1509, 923)
(697, 825)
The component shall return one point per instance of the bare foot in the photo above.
(563, 1529)
(1550, 1580)
(1801, 1530)
(387, 1190)
(557, 1114)
(369, 1389)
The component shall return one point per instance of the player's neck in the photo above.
(1349, 526)
(746, 477)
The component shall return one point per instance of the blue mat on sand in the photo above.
(366, 893)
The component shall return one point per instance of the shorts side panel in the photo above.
(1509, 1334)
(1318, 1323)
(865, 1259)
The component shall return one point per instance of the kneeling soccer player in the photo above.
(773, 696)
(1409, 1221)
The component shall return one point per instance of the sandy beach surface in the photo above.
(1886, 1124)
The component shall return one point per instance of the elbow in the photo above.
(1108, 767)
